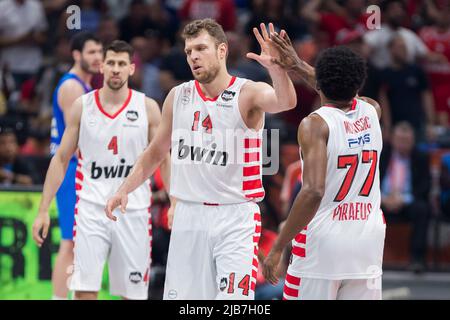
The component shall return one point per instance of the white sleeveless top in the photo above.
(345, 239)
(216, 159)
(109, 146)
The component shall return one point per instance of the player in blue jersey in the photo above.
(88, 56)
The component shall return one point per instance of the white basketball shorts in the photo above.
(296, 288)
(213, 252)
(125, 243)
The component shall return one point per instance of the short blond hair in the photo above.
(215, 30)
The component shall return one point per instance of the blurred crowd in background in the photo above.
(408, 73)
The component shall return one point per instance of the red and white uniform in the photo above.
(109, 145)
(344, 242)
(216, 177)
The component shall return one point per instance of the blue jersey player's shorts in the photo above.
(65, 201)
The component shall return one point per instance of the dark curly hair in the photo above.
(340, 73)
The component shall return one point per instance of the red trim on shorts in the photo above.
(290, 292)
(299, 252)
(292, 280)
(202, 94)
(111, 116)
(300, 238)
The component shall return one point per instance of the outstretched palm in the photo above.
(268, 54)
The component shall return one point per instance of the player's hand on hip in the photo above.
(41, 223)
(119, 199)
(269, 55)
(270, 266)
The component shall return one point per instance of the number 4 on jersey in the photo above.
(113, 145)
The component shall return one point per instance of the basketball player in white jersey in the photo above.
(111, 127)
(217, 183)
(336, 224)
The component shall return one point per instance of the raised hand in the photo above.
(268, 54)
(287, 56)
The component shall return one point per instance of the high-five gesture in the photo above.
(288, 58)
(269, 54)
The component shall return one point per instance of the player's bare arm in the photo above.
(289, 60)
(69, 91)
(281, 95)
(147, 162)
(57, 170)
(154, 120)
(312, 136)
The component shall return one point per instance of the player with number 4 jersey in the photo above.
(110, 127)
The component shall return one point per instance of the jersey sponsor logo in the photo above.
(110, 172)
(186, 95)
(359, 141)
(352, 211)
(227, 95)
(223, 284)
(132, 115)
(199, 154)
(357, 126)
(135, 277)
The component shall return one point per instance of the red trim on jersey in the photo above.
(333, 106)
(353, 105)
(100, 107)
(257, 217)
(78, 186)
(251, 171)
(252, 184)
(256, 239)
(299, 252)
(300, 238)
(252, 143)
(250, 157)
(255, 195)
(202, 94)
(292, 280)
(79, 175)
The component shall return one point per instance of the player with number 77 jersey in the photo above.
(335, 224)
(110, 127)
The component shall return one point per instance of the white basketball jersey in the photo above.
(345, 239)
(109, 146)
(215, 157)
